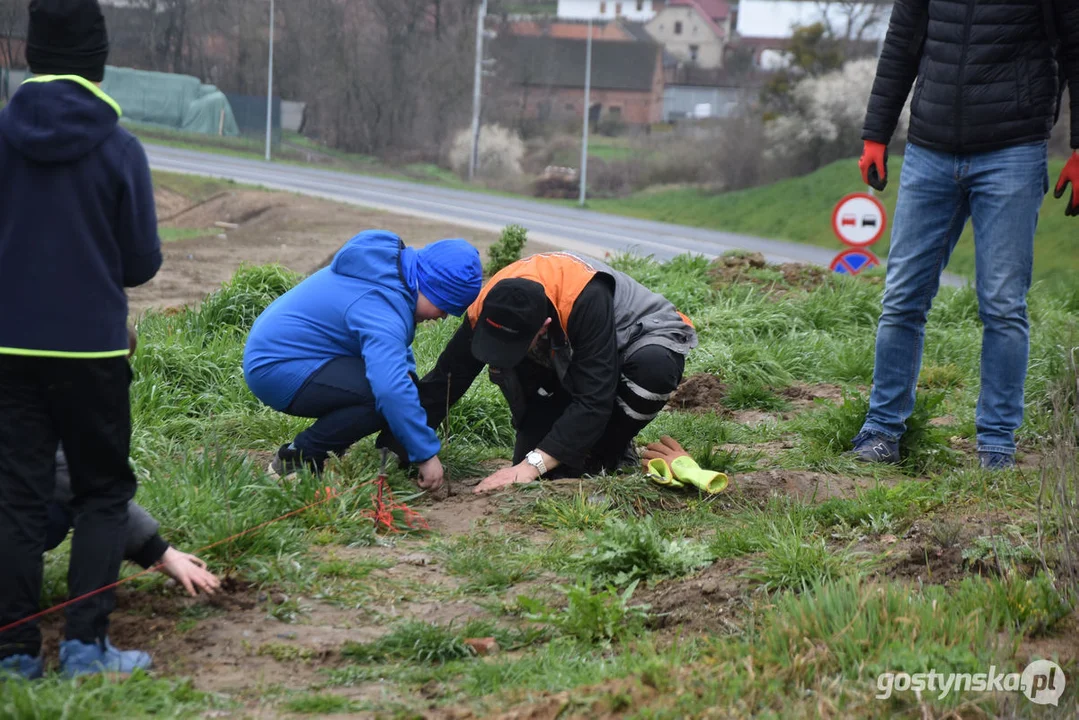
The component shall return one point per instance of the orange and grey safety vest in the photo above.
(642, 317)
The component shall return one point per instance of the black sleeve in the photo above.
(896, 70)
(452, 376)
(150, 553)
(1068, 23)
(140, 246)
(592, 377)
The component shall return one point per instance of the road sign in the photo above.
(854, 261)
(859, 220)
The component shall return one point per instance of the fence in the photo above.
(250, 113)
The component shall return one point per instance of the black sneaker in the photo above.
(288, 462)
(873, 448)
(631, 459)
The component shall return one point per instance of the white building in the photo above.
(632, 10)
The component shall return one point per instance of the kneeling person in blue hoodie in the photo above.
(338, 347)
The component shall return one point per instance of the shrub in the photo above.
(827, 119)
(500, 153)
(242, 299)
(592, 617)
(507, 250)
(626, 551)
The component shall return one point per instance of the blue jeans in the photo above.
(339, 395)
(1002, 192)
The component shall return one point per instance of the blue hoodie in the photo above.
(362, 305)
(77, 221)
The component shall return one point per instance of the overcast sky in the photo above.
(775, 18)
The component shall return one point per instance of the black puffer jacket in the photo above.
(986, 73)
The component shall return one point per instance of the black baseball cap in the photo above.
(513, 312)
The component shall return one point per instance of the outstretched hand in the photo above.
(513, 475)
(189, 571)
(667, 450)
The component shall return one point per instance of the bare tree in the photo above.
(13, 20)
(854, 23)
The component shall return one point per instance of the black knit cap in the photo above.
(67, 37)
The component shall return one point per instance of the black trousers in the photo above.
(86, 405)
(341, 399)
(648, 377)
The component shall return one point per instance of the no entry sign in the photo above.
(854, 261)
(858, 220)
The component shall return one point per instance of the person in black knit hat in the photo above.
(77, 226)
(67, 37)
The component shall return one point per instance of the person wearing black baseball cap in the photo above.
(77, 227)
(585, 356)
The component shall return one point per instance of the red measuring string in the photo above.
(382, 514)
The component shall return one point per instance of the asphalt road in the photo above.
(568, 227)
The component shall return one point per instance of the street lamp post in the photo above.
(269, 87)
(477, 92)
(587, 107)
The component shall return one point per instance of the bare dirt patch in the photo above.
(803, 396)
(752, 268)
(703, 604)
(300, 233)
(802, 485)
(701, 393)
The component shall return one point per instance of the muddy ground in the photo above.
(301, 233)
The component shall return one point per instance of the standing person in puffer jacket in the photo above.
(77, 226)
(338, 347)
(585, 356)
(987, 80)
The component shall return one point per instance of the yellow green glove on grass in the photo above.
(684, 471)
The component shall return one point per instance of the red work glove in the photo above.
(1070, 174)
(874, 165)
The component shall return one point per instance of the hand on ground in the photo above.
(505, 477)
(189, 571)
(431, 474)
(667, 449)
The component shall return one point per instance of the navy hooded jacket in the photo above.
(77, 221)
(362, 305)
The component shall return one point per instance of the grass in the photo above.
(585, 586)
(195, 188)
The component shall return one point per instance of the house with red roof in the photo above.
(695, 32)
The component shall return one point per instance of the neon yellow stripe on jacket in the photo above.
(64, 354)
(81, 81)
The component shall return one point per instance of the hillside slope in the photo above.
(800, 209)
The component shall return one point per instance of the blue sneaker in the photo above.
(79, 658)
(24, 666)
(872, 448)
(996, 460)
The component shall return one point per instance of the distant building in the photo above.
(547, 78)
(693, 31)
(635, 10)
(613, 30)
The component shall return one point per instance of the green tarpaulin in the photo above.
(179, 102)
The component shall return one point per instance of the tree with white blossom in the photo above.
(825, 122)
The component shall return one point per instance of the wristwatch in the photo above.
(536, 460)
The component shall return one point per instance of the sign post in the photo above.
(859, 220)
